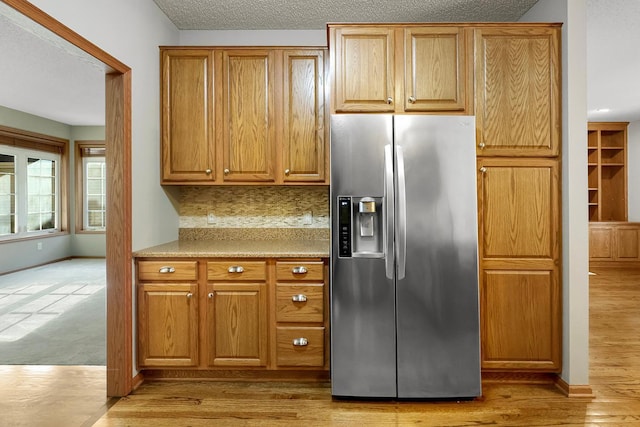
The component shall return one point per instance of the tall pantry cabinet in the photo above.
(514, 72)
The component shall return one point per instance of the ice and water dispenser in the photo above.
(360, 232)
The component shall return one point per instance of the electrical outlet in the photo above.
(307, 218)
(211, 218)
(39, 246)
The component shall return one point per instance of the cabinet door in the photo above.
(600, 243)
(167, 324)
(248, 115)
(520, 321)
(436, 70)
(237, 324)
(187, 116)
(627, 243)
(519, 219)
(519, 209)
(303, 145)
(363, 73)
(517, 91)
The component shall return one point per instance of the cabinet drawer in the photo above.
(298, 346)
(301, 270)
(299, 303)
(167, 270)
(236, 270)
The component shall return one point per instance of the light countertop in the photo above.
(316, 248)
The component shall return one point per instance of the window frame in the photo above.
(36, 142)
(80, 146)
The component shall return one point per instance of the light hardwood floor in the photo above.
(615, 380)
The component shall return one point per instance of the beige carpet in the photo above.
(54, 314)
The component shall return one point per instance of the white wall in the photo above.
(575, 235)
(254, 38)
(633, 171)
(131, 31)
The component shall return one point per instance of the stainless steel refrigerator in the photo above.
(404, 257)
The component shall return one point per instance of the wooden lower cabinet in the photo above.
(520, 325)
(232, 314)
(614, 242)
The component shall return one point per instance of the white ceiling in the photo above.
(59, 82)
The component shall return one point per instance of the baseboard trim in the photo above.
(37, 265)
(578, 391)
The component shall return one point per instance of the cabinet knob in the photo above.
(235, 269)
(481, 145)
(210, 295)
(208, 171)
(389, 100)
(166, 270)
(483, 169)
(299, 270)
(189, 295)
(412, 99)
(227, 171)
(299, 298)
(300, 342)
(287, 172)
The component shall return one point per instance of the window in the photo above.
(91, 186)
(33, 184)
(29, 192)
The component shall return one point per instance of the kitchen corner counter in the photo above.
(317, 248)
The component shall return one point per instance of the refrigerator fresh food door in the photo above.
(438, 343)
(363, 334)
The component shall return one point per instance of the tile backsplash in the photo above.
(249, 207)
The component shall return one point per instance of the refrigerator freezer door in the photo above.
(438, 348)
(363, 334)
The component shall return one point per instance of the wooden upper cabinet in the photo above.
(435, 69)
(518, 91)
(303, 142)
(248, 115)
(363, 68)
(187, 115)
(399, 68)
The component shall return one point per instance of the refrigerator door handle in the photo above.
(401, 220)
(389, 209)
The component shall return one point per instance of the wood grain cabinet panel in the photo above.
(167, 324)
(188, 121)
(237, 324)
(519, 209)
(518, 91)
(248, 115)
(520, 324)
(300, 346)
(300, 302)
(364, 69)
(435, 69)
(303, 142)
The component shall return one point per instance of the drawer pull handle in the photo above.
(300, 342)
(235, 269)
(189, 295)
(299, 270)
(299, 298)
(166, 270)
(210, 295)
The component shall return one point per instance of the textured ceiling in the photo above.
(314, 14)
(58, 82)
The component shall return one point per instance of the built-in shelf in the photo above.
(607, 174)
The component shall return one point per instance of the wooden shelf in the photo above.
(607, 159)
